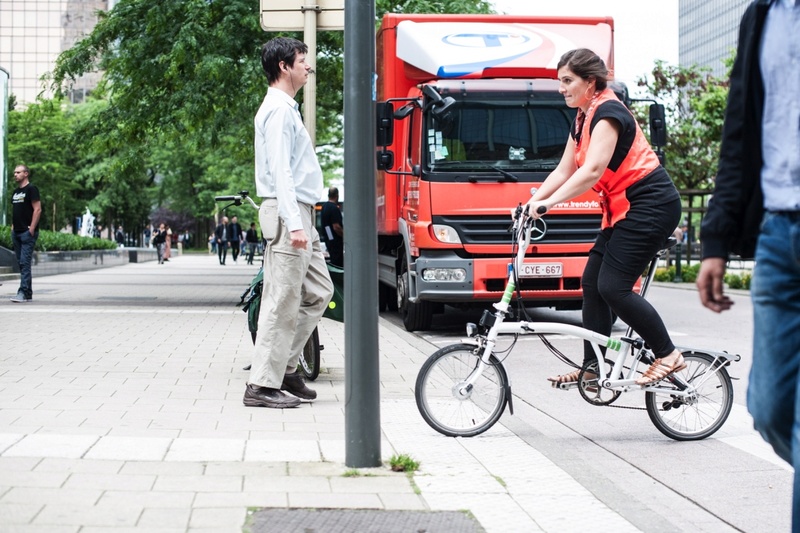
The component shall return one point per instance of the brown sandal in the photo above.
(659, 370)
(570, 377)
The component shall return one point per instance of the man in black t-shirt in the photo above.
(332, 230)
(25, 229)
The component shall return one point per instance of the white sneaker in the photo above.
(20, 298)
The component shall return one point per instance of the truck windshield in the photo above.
(481, 133)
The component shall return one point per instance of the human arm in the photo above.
(603, 141)
(37, 214)
(710, 284)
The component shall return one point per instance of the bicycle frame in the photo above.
(619, 350)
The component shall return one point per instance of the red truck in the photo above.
(470, 121)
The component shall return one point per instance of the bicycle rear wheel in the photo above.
(309, 357)
(697, 417)
(450, 406)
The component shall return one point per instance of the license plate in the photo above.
(541, 270)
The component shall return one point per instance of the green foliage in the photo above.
(688, 273)
(41, 137)
(53, 241)
(735, 281)
(403, 463)
(695, 102)
(182, 82)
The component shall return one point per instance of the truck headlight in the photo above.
(444, 274)
(446, 234)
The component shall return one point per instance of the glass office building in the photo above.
(709, 31)
(32, 35)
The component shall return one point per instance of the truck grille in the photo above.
(493, 229)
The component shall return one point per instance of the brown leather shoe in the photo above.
(255, 396)
(296, 385)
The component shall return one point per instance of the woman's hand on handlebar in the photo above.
(537, 208)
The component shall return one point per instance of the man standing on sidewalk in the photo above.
(755, 211)
(252, 242)
(331, 216)
(297, 287)
(25, 229)
(221, 237)
(235, 237)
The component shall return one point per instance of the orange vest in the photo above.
(639, 162)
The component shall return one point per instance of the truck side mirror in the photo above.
(384, 132)
(385, 159)
(658, 125)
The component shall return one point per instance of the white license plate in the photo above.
(541, 270)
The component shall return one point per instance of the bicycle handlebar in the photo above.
(237, 199)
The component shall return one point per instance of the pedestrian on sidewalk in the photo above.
(755, 212)
(27, 210)
(221, 238)
(160, 242)
(333, 232)
(297, 287)
(235, 237)
(252, 242)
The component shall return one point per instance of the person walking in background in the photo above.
(27, 210)
(160, 242)
(119, 237)
(235, 235)
(252, 242)
(755, 212)
(168, 244)
(333, 232)
(297, 286)
(221, 238)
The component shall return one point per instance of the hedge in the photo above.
(53, 241)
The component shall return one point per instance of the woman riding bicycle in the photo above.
(608, 152)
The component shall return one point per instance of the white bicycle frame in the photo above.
(617, 349)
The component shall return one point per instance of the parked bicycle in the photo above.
(251, 304)
(462, 389)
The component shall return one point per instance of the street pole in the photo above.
(310, 10)
(362, 422)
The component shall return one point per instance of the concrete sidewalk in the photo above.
(121, 410)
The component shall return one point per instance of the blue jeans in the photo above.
(773, 395)
(23, 248)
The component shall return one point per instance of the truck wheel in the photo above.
(416, 316)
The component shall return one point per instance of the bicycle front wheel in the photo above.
(703, 414)
(451, 406)
(309, 357)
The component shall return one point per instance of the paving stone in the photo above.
(70, 446)
(129, 448)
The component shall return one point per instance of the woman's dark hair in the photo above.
(280, 49)
(586, 64)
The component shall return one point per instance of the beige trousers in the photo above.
(296, 291)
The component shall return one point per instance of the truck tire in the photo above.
(416, 316)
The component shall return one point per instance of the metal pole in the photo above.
(362, 422)
(310, 10)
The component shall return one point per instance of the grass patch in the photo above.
(403, 463)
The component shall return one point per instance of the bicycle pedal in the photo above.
(565, 386)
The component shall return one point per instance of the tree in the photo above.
(41, 137)
(695, 102)
(184, 81)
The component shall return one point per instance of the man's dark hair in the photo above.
(333, 192)
(280, 49)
